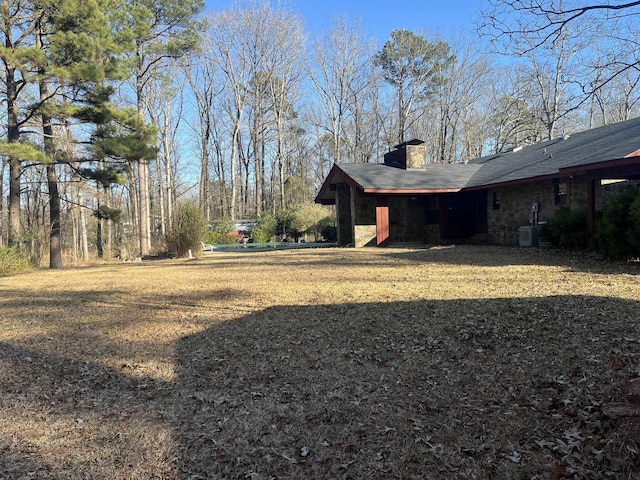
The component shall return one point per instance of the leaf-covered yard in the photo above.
(446, 363)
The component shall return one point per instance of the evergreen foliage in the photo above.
(310, 218)
(267, 228)
(292, 223)
(413, 66)
(618, 231)
(568, 229)
(105, 212)
(329, 233)
(13, 261)
(219, 233)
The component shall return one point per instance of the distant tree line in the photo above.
(118, 112)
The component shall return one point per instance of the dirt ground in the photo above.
(445, 363)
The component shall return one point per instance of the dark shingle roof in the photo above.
(381, 177)
(606, 143)
(611, 142)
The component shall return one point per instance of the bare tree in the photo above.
(464, 82)
(164, 30)
(259, 52)
(200, 74)
(166, 103)
(227, 31)
(525, 26)
(340, 73)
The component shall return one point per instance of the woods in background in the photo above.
(116, 112)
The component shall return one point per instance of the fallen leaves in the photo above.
(466, 362)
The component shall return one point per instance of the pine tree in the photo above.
(161, 29)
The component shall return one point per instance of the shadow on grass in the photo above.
(499, 388)
(430, 389)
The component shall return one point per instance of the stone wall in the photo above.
(365, 222)
(516, 202)
(366, 236)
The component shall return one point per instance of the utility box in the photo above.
(528, 236)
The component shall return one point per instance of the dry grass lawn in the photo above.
(447, 363)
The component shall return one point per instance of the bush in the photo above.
(12, 261)
(310, 218)
(287, 225)
(218, 238)
(187, 232)
(568, 229)
(219, 233)
(266, 229)
(618, 231)
(634, 220)
(329, 233)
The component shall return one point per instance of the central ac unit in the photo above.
(528, 236)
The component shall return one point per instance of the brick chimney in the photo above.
(411, 154)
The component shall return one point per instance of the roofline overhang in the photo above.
(421, 191)
(335, 170)
(590, 168)
(509, 183)
(344, 176)
(632, 159)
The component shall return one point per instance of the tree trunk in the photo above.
(144, 207)
(55, 236)
(144, 224)
(2, 204)
(170, 192)
(161, 200)
(15, 168)
(234, 156)
(99, 239)
(84, 244)
(133, 196)
(55, 233)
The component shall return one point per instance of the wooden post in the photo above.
(591, 212)
(382, 221)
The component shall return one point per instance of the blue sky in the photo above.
(380, 17)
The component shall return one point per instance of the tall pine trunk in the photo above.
(15, 168)
(55, 233)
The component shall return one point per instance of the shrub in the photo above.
(568, 229)
(267, 228)
(219, 233)
(219, 238)
(310, 218)
(287, 225)
(329, 233)
(634, 220)
(618, 231)
(187, 232)
(12, 261)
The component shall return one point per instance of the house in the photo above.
(404, 200)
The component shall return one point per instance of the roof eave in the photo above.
(422, 191)
(335, 170)
(509, 183)
(630, 160)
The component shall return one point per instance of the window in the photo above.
(496, 200)
(560, 192)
